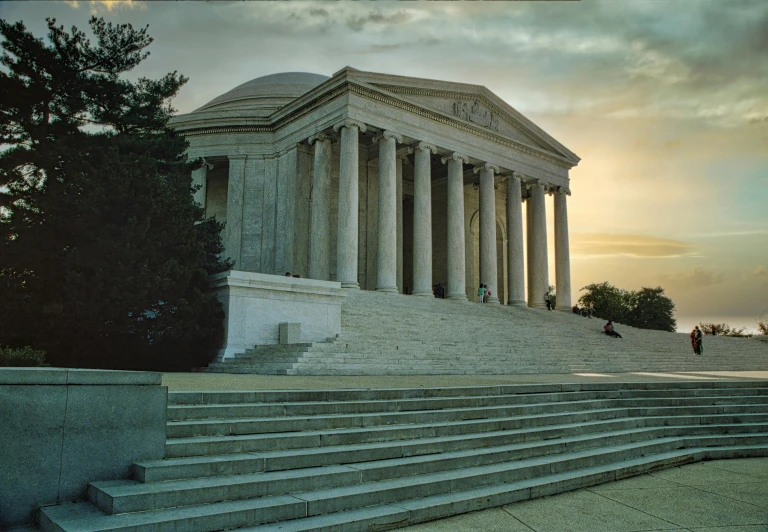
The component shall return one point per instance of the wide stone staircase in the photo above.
(391, 334)
(364, 459)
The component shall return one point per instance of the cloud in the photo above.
(698, 277)
(634, 246)
(109, 5)
(760, 273)
(377, 18)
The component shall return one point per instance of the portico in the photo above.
(384, 183)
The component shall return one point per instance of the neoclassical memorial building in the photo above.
(384, 183)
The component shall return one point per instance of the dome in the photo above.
(267, 93)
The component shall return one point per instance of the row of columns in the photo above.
(389, 253)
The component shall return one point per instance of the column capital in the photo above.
(320, 136)
(563, 190)
(486, 166)
(404, 152)
(205, 164)
(386, 135)
(349, 123)
(426, 146)
(535, 183)
(455, 156)
(517, 175)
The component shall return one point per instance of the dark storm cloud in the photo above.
(377, 18)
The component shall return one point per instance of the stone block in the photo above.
(107, 429)
(290, 333)
(56, 437)
(32, 421)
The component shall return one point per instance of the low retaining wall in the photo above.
(63, 428)
(255, 304)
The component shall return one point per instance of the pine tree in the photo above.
(104, 256)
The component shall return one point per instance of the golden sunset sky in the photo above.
(665, 101)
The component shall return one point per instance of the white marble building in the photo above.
(384, 183)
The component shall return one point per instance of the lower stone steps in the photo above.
(361, 458)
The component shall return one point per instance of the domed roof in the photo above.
(266, 93)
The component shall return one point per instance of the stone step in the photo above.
(270, 509)
(654, 407)
(524, 459)
(415, 511)
(255, 410)
(624, 389)
(231, 464)
(216, 445)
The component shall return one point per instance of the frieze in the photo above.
(475, 112)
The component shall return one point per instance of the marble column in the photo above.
(402, 159)
(457, 289)
(538, 275)
(562, 251)
(422, 219)
(349, 184)
(386, 256)
(320, 220)
(488, 267)
(515, 256)
(233, 232)
(200, 179)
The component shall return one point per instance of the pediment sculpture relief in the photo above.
(473, 111)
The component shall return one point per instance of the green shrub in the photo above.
(24, 357)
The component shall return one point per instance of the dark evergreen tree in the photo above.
(651, 309)
(103, 253)
(647, 308)
(610, 302)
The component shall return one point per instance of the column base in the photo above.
(350, 285)
(564, 309)
(539, 305)
(423, 294)
(458, 297)
(518, 303)
(493, 299)
(388, 290)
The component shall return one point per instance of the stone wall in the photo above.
(63, 428)
(255, 305)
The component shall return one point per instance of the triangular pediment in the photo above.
(472, 108)
(472, 104)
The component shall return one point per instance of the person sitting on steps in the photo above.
(610, 331)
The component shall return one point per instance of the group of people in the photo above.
(696, 338)
(483, 293)
(439, 291)
(587, 312)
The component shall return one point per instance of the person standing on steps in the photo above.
(591, 311)
(481, 294)
(697, 337)
(548, 301)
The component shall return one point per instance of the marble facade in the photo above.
(384, 183)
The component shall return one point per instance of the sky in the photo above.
(665, 101)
